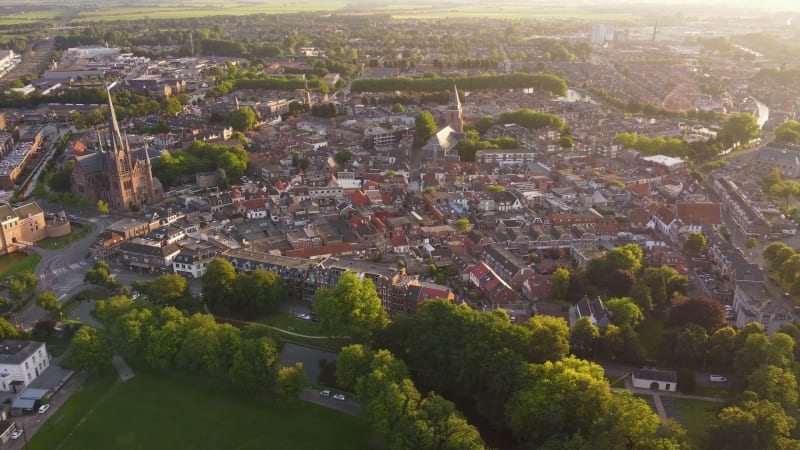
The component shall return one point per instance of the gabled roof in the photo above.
(705, 214)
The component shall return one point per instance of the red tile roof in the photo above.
(704, 214)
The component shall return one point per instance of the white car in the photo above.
(325, 393)
(303, 316)
(43, 409)
(16, 434)
(340, 397)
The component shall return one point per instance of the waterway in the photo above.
(763, 113)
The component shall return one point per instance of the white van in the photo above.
(717, 379)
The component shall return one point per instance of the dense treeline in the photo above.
(166, 338)
(788, 132)
(778, 76)
(200, 157)
(520, 378)
(547, 82)
(243, 295)
(396, 410)
(531, 119)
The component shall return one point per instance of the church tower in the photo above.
(147, 173)
(454, 115)
(119, 157)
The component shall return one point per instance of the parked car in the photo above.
(16, 434)
(325, 393)
(43, 409)
(717, 379)
(340, 397)
(303, 316)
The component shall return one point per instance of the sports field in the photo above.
(184, 412)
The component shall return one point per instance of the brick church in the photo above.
(121, 177)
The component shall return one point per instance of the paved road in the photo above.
(348, 406)
(35, 422)
(615, 370)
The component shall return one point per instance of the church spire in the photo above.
(455, 103)
(117, 144)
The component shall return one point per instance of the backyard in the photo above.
(182, 411)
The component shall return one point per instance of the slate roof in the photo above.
(656, 375)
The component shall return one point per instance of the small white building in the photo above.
(657, 380)
(21, 362)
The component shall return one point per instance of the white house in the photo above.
(752, 305)
(660, 380)
(21, 362)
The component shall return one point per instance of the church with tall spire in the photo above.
(115, 174)
(442, 145)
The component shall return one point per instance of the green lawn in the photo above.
(707, 391)
(169, 411)
(14, 263)
(696, 416)
(287, 321)
(78, 232)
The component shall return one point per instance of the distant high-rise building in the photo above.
(602, 33)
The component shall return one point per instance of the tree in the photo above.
(751, 243)
(565, 142)
(292, 380)
(548, 338)
(352, 363)
(776, 385)
(620, 282)
(559, 284)
(739, 129)
(242, 119)
(102, 207)
(398, 108)
(170, 106)
(256, 293)
(551, 406)
(463, 224)
(624, 312)
(701, 310)
(721, 348)
(90, 350)
(254, 365)
(584, 338)
(687, 345)
(342, 157)
(100, 276)
(218, 282)
(425, 126)
(695, 243)
(625, 257)
(169, 289)
(352, 307)
(47, 300)
(752, 424)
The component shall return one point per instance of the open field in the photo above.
(14, 263)
(180, 411)
(110, 11)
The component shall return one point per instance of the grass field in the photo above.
(78, 232)
(184, 412)
(287, 321)
(696, 416)
(14, 263)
